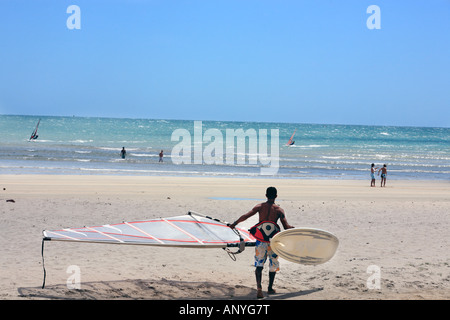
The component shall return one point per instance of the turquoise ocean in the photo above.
(91, 146)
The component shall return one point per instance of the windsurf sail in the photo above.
(191, 230)
(291, 140)
(34, 135)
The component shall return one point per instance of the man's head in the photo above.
(271, 193)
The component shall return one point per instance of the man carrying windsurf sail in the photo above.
(263, 231)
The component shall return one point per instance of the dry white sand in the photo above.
(402, 229)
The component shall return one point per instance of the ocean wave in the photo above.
(143, 155)
(40, 141)
(80, 141)
(310, 146)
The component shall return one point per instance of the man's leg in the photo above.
(273, 268)
(260, 259)
(270, 290)
(258, 274)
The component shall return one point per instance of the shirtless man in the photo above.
(268, 211)
(383, 175)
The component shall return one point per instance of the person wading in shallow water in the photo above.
(269, 213)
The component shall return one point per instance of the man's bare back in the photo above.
(268, 211)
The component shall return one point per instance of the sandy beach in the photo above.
(402, 229)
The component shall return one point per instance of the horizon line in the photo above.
(217, 120)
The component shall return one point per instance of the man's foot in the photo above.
(260, 294)
(271, 291)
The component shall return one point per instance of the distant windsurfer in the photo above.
(268, 212)
(291, 139)
(123, 153)
(34, 135)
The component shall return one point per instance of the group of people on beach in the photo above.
(383, 171)
(123, 153)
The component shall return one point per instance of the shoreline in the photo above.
(41, 184)
(402, 228)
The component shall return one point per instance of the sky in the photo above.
(234, 60)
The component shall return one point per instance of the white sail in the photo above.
(190, 230)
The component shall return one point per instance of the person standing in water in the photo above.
(161, 155)
(269, 212)
(123, 153)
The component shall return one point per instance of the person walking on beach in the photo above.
(269, 212)
(161, 155)
(372, 174)
(383, 175)
(123, 153)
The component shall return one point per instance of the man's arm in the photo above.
(284, 221)
(245, 216)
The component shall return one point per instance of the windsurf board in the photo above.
(308, 246)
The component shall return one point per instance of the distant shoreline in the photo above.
(229, 176)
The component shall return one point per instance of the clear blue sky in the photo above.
(251, 60)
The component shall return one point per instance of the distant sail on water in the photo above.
(291, 140)
(34, 135)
